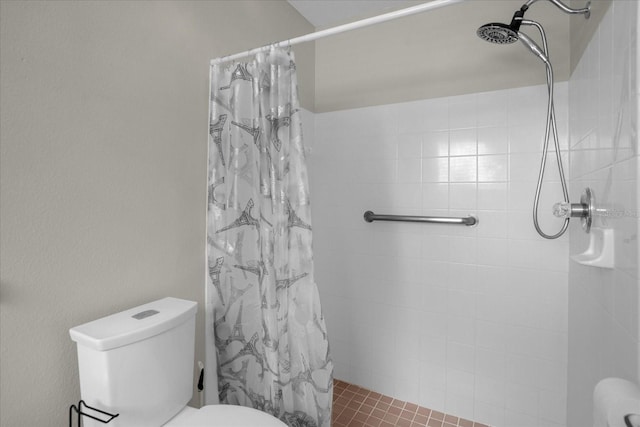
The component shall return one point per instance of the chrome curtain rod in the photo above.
(435, 4)
(468, 221)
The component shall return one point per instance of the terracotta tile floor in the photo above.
(355, 406)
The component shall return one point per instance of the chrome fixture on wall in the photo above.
(470, 220)
(499, 33)
(584, 210)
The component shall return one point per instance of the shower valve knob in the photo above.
(583, 210)
(570, 210)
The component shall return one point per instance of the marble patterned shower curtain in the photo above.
(263, 307)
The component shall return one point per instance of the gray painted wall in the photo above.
(103, 171)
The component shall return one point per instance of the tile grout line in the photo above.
(384, 411)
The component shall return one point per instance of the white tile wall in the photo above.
(469, 321)
(604, 313)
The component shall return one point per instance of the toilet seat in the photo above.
(223, 416)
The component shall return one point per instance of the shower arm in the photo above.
(586, 11)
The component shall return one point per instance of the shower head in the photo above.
(497, 33)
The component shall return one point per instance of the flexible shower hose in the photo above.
(551, 130)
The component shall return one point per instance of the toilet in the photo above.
(139, 364)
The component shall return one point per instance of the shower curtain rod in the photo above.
(435, 4)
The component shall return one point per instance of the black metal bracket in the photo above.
(632, 420)
(78, 409)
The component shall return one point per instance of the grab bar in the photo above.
(468, 221)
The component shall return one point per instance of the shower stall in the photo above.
(491, 323)
(507, 321)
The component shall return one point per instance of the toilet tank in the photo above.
(139, 362)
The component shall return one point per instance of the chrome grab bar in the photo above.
(468, 221)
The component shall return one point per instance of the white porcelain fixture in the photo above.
(139, 363)
(616, 403)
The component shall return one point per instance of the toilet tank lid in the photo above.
(133, 325)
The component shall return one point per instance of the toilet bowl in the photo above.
(223, 415)
(139, 364)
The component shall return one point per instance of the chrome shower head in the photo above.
(497, 33)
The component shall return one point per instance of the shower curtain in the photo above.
(263, 307)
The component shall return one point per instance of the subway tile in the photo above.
(527, 138)
(491, 335)
(463, 250)
(406, 196)
(492, 224)
(461, 303)
(490, 390)
(435, 196)
(552, 376)
(460, 383)
(463, 142)
(435, 248)
(520, 419)
(491, 109)
(433, 376)
(553, 407)
(409, 146)
(463, 196)
(492, 168)
(493, 415)
(431, 396)
(490, 309)
(492, 252)
(409, 170)
(436, 114)
(463, 277)
(408, 344)
(409, 246)
(524, 167)
(458, 404)
(435, 300)
(435, 143)
(435, 169)
(407, 295)
(492, 196)
(460, 356)
(521, 398)
(463, 169)
(461, 329)
(489, 363)
(435, 273)
(522, 369)
(493, 140)
(462, 112)
(494, 280)
(433, 350)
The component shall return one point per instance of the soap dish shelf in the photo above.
(601, 250)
